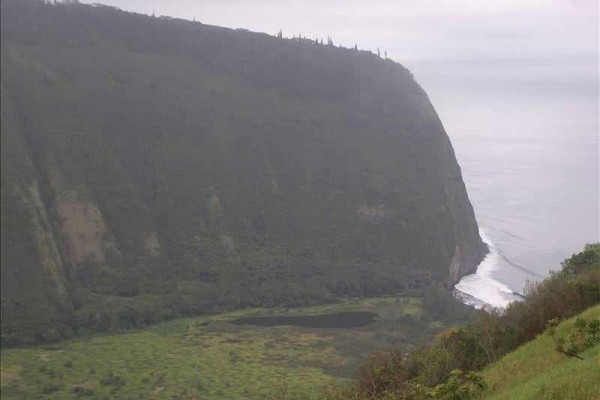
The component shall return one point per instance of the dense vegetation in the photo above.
(447, 368)
(216, 358)
(154, 168)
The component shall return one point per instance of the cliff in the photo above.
(154, 167)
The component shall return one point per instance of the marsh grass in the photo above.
(210, 358)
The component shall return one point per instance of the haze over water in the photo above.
(528, 147)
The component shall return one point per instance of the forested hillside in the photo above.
(154, 167)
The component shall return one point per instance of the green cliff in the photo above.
(154, 167)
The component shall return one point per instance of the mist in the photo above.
(300, 199)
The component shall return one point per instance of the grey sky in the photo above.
(442, 41)
(409, 29)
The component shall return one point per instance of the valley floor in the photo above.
(213, 358)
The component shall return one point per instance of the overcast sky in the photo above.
(409, 29)
(507, 40)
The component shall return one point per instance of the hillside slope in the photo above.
(519, 353)
(537, 371)
(154, 167)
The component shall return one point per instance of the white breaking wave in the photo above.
(481, 288)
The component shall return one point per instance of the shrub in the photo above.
(51, 388)
(112, 380)
(584, 336)
(383, 372)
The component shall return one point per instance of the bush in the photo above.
(112, 380)
(585, 335)
(383, 372)
(51, 388)
(82, 391)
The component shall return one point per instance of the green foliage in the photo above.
(112, 380)
(154, 168)
(434, 369)
(440, 302)
(211, 358)
(381, 374)
(561, 296)
(588, 259)
(536, 371)
(585, 335)
(458, 386)
(282, 389)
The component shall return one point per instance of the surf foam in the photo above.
(480, 289)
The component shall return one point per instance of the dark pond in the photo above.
(337, 320)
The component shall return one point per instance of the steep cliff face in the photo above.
(153, 164)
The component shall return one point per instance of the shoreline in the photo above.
(480, 289)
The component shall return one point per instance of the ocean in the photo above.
(526, 135)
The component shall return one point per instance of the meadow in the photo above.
(214, 358)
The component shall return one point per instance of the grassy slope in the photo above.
(537, 371)
(209, 358)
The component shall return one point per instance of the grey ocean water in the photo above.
(526, 135)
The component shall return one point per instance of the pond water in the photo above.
(337, 320)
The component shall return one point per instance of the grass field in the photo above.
(211, 358)
(537, 371)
